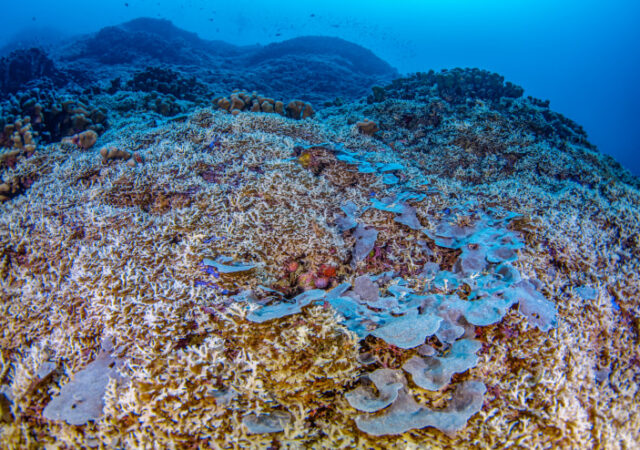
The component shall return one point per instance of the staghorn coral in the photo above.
(122, 256)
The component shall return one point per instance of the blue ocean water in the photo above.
(581, 55)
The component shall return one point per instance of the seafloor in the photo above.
(127, 320)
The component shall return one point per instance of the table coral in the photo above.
(81, 400)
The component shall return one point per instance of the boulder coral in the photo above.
(52, 115)
(84, 140)
(166, 81)
(298, 109)
(368, 127)
(243, 101)
(20, 136)
(109, 153)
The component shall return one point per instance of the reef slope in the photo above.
(106, 258)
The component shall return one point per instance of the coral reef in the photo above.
(32, 119)
(52, 115)
(326, 68)
(454, 86)
(167, 81)
(142, 41)
(257, 274)
(152, 54)
(243, 101)
(149, 65)
(486, 134)
(27, 66)
(84, 140)
(127, 103)
(406, 318)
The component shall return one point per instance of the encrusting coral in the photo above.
(232, 217)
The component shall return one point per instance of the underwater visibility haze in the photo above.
(408, 224)
(581, 55)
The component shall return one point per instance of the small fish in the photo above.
(215, 143)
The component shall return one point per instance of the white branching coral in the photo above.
(98, 250)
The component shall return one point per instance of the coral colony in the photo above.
(444, 263)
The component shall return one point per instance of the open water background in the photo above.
(583, 55)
